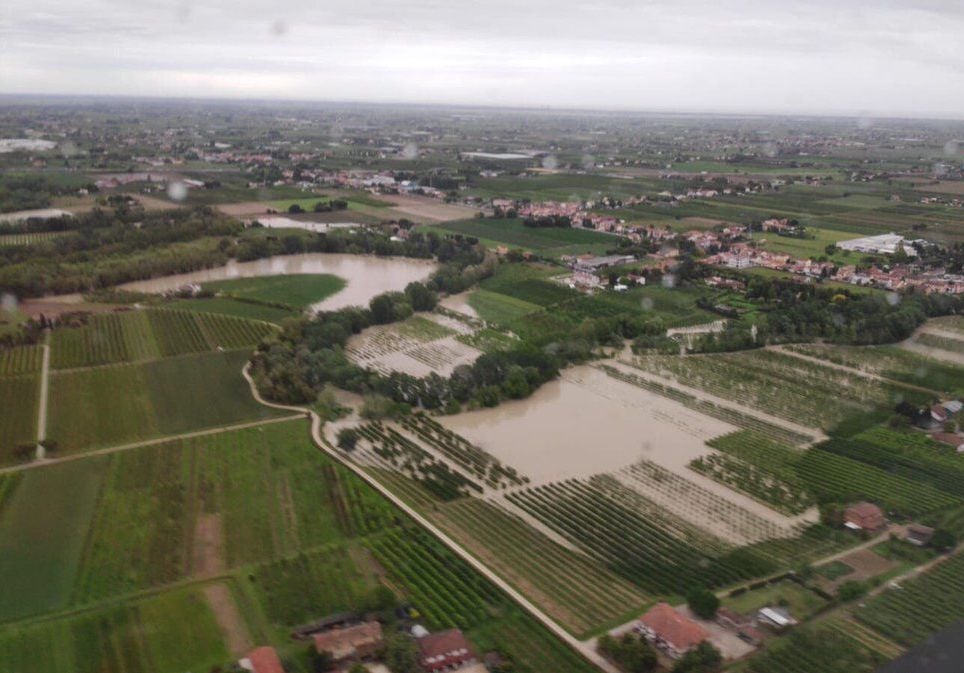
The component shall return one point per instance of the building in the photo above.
(954, 441)
(670, 631)
(775, 617)
(884, 244)
(359, 641)
(919, 535)
(445, 651)
(262, 660)
(864, 516)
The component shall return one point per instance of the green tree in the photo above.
(401, 655)
(348, 439)
(943, 540)
(704, 658)
(703, 602)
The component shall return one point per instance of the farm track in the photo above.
(853, 370)
(149, 442)
(44, 395)
(585, 648)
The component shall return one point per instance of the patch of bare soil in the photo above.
(208, 551)
(229, 620)
(429, 208)
(244, 208)
(866, 564)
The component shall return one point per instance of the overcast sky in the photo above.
(903, 57)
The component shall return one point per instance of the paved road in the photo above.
(148, 442)
(42, 406)
(585, 649)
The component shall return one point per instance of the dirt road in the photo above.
(42, 405)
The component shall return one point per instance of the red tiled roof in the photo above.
(443, 643)
(669, 625)
(948, 438)
(265, 660)
(865, 514)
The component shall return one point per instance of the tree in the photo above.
(703, 602)
(851, 591)
(294, 209)
(943, 540)
(348, 439)
(704, 658)
(320, 661)
(358, 668)
(401, 655)
(420, 297)
(629, 652)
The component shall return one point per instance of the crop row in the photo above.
(143, 335)
(21, 360)
(443, 588)
(817, 649)
(575, 589)
(837, 478)
(463, 452)
(758, 484)
(643, 547)
(404, 455)
(920, 606)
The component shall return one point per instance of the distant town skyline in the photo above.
(874, 58)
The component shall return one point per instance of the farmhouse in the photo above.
(445, 651)
(919, 535)
(352, 642)
(775, 617)
(953, 440)
(670, 631)
(864, 516)
(262, 660)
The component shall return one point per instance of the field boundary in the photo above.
(149, 442)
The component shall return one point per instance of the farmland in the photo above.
(291, 290)
(136, 336)
(546, 241)
(18, 422)
(103, 406)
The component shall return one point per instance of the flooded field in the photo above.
(459, 302)
(419, 346)
(586, 423)
(367, 276)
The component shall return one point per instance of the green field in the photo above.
(104, 406)
(548, 241)
(294, 290)
(800, 601)
(175, 631)
(232, 307)
(499, 308)
(43, 519)
(804, 248)
(135, 336)
(19, 397)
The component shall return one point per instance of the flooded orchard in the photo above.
(367, 276)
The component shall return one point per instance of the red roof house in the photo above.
(352, 642)
(670, 631)
(864, 516)
(445, 650)
(264, 660)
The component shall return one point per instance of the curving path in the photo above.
(585, 649)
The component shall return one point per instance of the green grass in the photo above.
(175, 631)
(800, 601)
(21, 360)
(817, 649)
(42, 527)
(134, 336)
(232, 307)
(804, 248)
(105, 406)
(834, 570)
(295, 290)
(19, 397)
(514, 234)
(499, 308)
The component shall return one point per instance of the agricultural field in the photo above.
(418, 346)
(30, 238)
(135, 336)
(545, 241)
(21, 360)
(797, 390)
(499, 308)
(104, 406)
(891, 362)
(175, 631)
(800, 601)
(813, 649)
(44, 514)
(19, 397)
(920, 607)
(232, 307)
(295, 291)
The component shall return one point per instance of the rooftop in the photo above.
(669, 625)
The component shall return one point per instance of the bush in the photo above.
(703, 602)
(348, 439)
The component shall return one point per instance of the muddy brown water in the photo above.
(367, 275)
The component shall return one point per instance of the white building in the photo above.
(883, 244)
